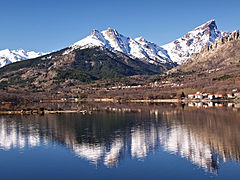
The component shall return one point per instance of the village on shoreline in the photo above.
(197, 100)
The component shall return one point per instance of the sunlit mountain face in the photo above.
(205, 138)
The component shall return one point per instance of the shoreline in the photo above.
(140, 100)
(29, 112)
(41, 111)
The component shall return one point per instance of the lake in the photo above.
(123, 142)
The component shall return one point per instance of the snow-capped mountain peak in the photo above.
(193, 42)
(210, 28)
(177, 51)
(8, 56)
(117, 41)
(109, 38)
(140, 39)
(135, 48)
(211, 24)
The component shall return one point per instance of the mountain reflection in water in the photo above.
(204, 137)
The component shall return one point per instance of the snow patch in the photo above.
(8, 56)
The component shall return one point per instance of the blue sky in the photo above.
(46, 25)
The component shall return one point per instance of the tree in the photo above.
(183, 95)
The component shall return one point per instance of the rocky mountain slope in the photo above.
(75, 67)
(193, 42)
(8, 56)
(222, 54)
(177, 51)
(135, 48)
(215, 68)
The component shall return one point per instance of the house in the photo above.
(198, 95)
(191, 104)
(219, 105)
(218, 96)
(211, 96)
(210, 104)
(191, 96)
(235, 90)
(237, 94)
(230, 95)
(205, 105)
(230, 105)
(201, 96)
(200, 104)
(237, 105)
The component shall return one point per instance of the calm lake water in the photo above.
(152, 142)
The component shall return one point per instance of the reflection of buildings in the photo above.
(204, 138)
(211, 104)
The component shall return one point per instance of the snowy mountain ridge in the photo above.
(8, 56)
(135, 48)
(194, 41)
(177, 51)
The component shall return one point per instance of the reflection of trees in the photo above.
(204, 137)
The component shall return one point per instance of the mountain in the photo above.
(193, 42)
(177, 51)
(216, 68)
(99, 56)
(110, 55)
(135, 48)
(222, 54)
(8, 56)
(61, 70)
